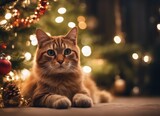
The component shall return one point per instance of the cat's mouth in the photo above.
(61, 67)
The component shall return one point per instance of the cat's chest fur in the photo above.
(66, 85)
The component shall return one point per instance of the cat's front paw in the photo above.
(81, 100)
(62, 103)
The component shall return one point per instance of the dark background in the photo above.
(139, 23)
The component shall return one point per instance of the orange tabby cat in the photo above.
(56, 79)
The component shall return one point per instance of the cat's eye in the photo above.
(67, 51)
(51, 52)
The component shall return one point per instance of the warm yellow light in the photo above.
(8, 78)
(146, 58)
(87, 69)
(71, 24)
(135, 90)
(86, 50)
(158, 26)
(117, 40)
(27, 56)
(2, 22)
(135, 56)
(8, 15)
(33, 39)
(82, 25)
(119, 82)
(11, 73)
(25, 74)
(62, 10)
(34, 42)
(17, 77)
(81, 19)
(8, 57)
(59, 19)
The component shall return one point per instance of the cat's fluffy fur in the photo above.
(56, 79)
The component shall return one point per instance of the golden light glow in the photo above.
(71, 24)
(135, 56)
(86, 51)
(158, 26)
(62, 10)
(146, 58)
(59, 19)
(82, 25)
(119, 82)
(8, 16)
(117, 40)
(8, 57)
(87, 69)
(135, 90)
(2, 22)
(25, 74)
(81, 19)
(27, 56)
(33, 39)
(11, 73)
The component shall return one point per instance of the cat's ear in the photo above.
(41, 36)
(72, 35)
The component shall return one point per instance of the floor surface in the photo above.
(119, 106)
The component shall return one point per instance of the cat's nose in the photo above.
(60, 58)
(60, 61)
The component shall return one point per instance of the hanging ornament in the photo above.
(3, 46)
(11, 95)
(5, 65)
(119, 85)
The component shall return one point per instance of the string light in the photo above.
(59, 19)
(147, 59)
(25, 74)
(135, 90)
(135, 56)
(27, 56)
(87, 69)
(82, 25)
(8, 16)
(25, 21)
(86, 51)
(158, 26)
(117, 40)
(81, 19)
(8, 57)
(33, 39)
(62, 10)
(11, 73)
(3, 22)
(71, 24)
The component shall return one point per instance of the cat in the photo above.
(56, 79)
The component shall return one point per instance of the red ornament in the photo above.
(3, 46)
(5, 66)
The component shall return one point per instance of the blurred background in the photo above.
(119, 40)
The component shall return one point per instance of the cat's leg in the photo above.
(82, 100)
(53, 101)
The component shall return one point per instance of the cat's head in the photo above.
(57, 54)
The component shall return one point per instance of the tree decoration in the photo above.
(17, 22)
(5, 65)
(11, 95)
(2, 46)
